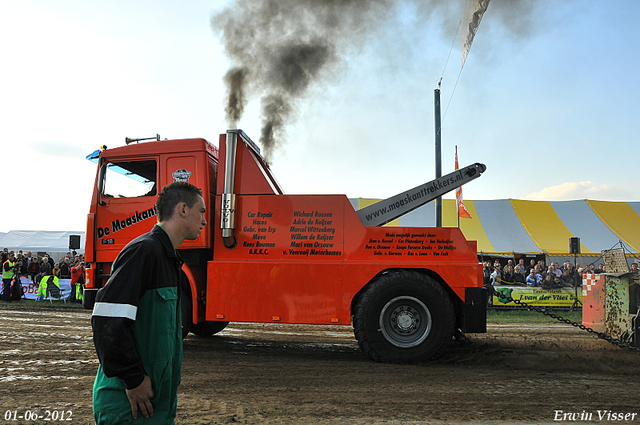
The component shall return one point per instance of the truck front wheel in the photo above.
(186, 306)
(208, 328)
(403, 317)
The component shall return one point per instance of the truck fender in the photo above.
(430, 273)
(193, 296)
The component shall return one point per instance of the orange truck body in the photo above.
(302, 259)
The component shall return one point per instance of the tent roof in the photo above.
(511, 225)
(39, 240)
(621, 218)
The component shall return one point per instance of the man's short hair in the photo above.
(172, 195)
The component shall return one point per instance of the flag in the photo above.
(470, 22)
(462, 211)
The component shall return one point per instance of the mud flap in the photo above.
(89, 298)
(475, 310)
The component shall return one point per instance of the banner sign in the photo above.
(30, 289)
(562, 297)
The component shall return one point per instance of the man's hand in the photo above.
(139, 397)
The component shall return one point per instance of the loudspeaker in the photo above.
(574, 245)
(74, 241)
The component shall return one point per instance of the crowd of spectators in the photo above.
(537, 273)
(71, 266)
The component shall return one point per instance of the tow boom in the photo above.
(398, 205)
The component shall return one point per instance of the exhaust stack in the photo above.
(228, 207)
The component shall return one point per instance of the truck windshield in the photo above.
(127, 179)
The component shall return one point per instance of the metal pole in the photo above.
(438, 155)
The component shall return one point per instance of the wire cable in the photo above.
(453, 42)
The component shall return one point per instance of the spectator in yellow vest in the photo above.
(48, 285)
(7, 275)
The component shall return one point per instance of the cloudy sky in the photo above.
(548, 99)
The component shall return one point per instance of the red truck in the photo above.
(268, 257)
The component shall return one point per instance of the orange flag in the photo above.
(462, 211)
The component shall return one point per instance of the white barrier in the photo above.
(30, 289)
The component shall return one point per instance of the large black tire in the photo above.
(208, 328)
(403, 317)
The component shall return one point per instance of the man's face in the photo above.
(195, 220)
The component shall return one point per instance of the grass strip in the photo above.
(524, 316)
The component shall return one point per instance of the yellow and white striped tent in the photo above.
(507, 226)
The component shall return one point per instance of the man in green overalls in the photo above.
(137, 320)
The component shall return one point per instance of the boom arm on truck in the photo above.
(389, 209)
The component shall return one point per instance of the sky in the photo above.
(547, 100)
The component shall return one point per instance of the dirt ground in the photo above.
(286, 374)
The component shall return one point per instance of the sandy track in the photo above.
(291, 374)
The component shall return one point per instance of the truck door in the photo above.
(127, 194)
(191, 168)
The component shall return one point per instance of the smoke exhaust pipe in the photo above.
(228, 210)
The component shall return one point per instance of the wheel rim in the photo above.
(405, 322)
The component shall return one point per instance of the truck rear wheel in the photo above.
(403, 317)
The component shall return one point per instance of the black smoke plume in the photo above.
(281, 49)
